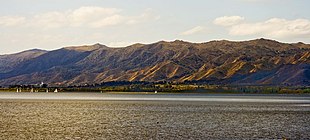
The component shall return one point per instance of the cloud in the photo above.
(194, 30)
(95, 17)
(48, 20)
(147, 15)
(108, 21)
(228, 20)
(89, 16)
(274, 28)
(7, 21)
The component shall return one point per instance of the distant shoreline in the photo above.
(168, 90)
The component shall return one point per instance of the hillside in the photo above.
(254, 62)
(8, 62)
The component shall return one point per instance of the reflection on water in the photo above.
(162, 97)
(123, 116)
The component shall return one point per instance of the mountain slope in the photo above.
(8, 62)
(259, 62)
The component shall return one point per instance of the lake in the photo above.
(153, 116)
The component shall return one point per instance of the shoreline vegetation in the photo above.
(163, 87)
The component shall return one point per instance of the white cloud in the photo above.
(147, 15)
(194, 30)
(49, 20)
(11, 20)
(228, 20)
(275, 28)
(108, 21)
(91, 17)
(94, 16)
(91, 12)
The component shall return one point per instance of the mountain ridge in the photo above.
(253, 62)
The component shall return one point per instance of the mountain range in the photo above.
(253, 62)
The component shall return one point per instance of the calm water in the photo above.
(169, 116)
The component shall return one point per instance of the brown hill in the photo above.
(259, 62)
(8, 62)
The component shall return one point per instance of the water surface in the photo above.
(272, 98)
(169, 116)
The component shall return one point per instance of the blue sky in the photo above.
(52, 24)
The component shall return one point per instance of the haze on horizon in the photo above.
(52, 24)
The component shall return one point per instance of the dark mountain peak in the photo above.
(27, 52)
(257, 41)
(300, 43)
(173, 43)
(177, 41)
(217, 43)
(264, 40)
(180, 41)
(100, 45)
(35, 50)
(86, 48)
(222, 41)
(275, 45)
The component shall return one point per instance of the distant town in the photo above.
(159, 87)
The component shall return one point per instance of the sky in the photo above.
(53, 24)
